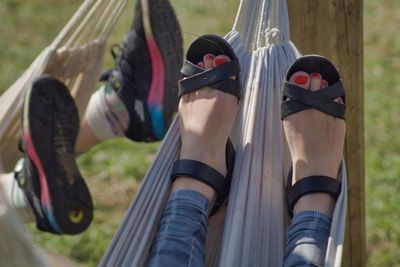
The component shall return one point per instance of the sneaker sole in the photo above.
(163, 38)
(64, 196)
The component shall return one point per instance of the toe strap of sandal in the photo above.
(208, 175)
(216, 78)
(297, 99)
(309, 185)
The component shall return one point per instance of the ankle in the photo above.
(188, 183)
(320, 202)
(212, 155)
(207, 151)
(305, 167)
(106, 115)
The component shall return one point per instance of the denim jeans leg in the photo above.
(308, 236)
(182, 232)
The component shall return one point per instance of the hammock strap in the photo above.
(261, 23)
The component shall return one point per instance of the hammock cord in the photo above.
(74, 57)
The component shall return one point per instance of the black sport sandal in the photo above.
(296, 99)
(217, 78)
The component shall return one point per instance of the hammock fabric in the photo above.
(75, 57)
(14, 240)
(250, 231)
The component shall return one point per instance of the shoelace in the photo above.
(115, 51)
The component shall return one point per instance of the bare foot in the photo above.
(315, 142)
(206, 117)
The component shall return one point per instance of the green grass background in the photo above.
(114, 169)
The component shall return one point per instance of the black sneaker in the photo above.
(49, 175)
(147, 70)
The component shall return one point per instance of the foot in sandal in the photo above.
(209, 96)
(207, 111)
(206, 117)
(314, 126)
(313, 121)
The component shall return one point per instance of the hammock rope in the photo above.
(75, 57)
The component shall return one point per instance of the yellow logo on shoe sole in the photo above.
(76, 215)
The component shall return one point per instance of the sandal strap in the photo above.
(309, 185)
(297, 99)
(208, 175)
(203, 173)
(216, 78)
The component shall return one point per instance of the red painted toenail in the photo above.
(315, 75)
(209, 56)
(220, 61)
(339, 100)
(200, 64)
(324, 84)
(301, 79)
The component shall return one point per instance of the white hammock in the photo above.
(251, 230)
(75, 57)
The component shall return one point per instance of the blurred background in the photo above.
(114, 169)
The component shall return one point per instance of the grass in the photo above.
(19, 45)
(382, 121)
(114, 169)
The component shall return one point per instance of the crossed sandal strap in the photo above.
(297, 99)
(216, 78)
(309, 185)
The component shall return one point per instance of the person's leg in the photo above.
(14, 197)
(16, 248)
(315, 141)
(139, 97)
(206, 117)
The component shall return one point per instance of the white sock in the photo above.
(106, 114)
(15, 197)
